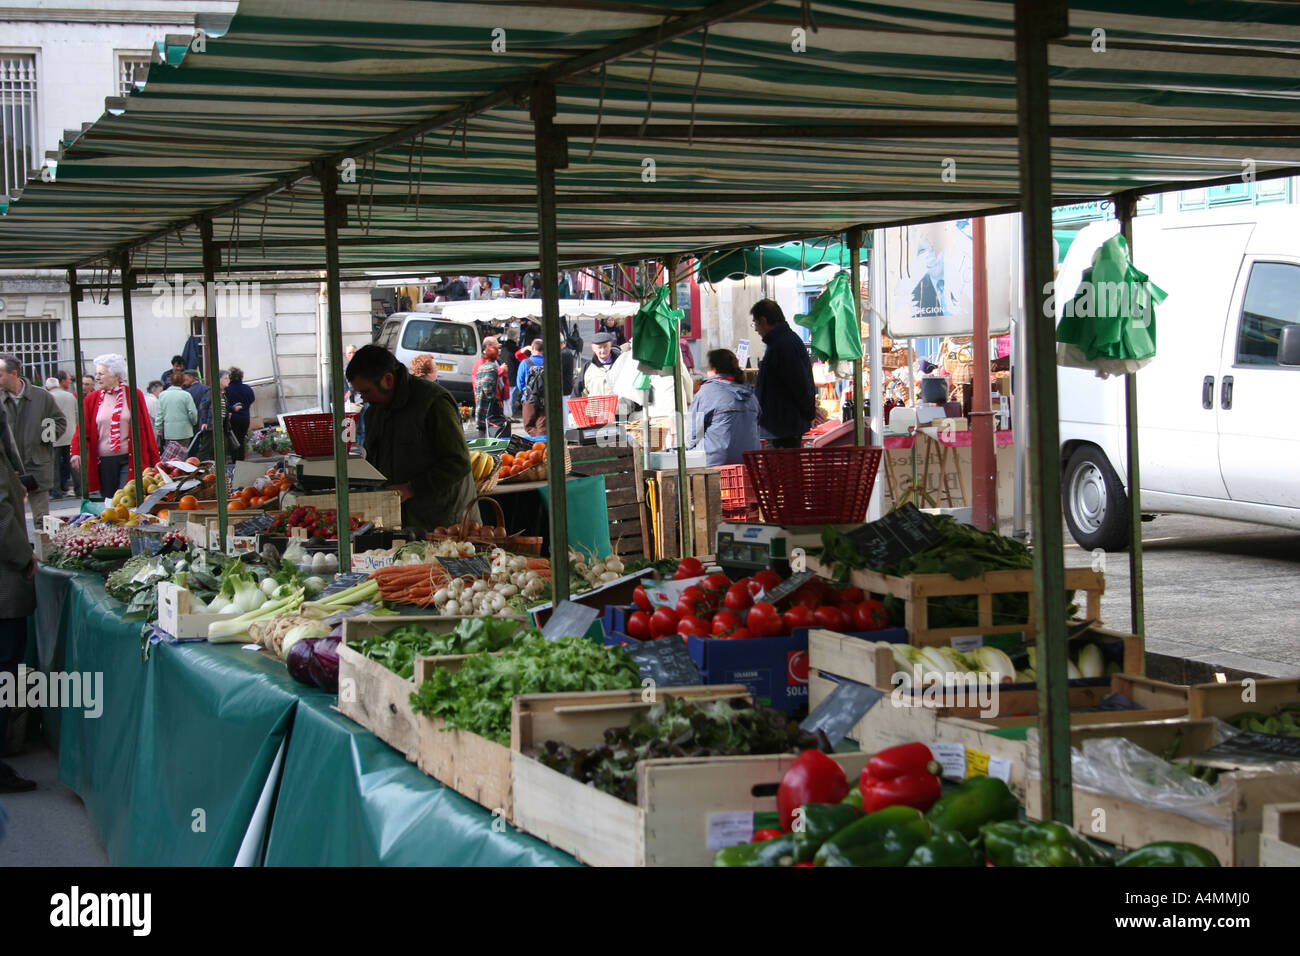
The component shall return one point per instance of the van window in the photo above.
(388, 335)
(449, 338)
(1272, 303)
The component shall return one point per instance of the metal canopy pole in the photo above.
(685, 523)
(334, 216)
(855, 290)
(210, 259)
(552, 153)
(74, 296)
(1125, 206)
(983, 449)
(1037, 22)
(875, 360)
(137, 459)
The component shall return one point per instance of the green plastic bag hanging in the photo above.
(833, 320)
(1110, 324)
(654, 342)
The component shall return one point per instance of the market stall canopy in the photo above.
(690, 127)
(773, 260)
(507, 309)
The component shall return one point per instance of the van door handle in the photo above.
(1225, 395)
(1207, 392)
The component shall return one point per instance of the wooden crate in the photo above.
(1231, 828)
(176, 617)
(372, 695)
(384, 508)
(915, 590)
(706, 511)
(1225, 700)
(1279, 843)
(624, 492)
(480, 769)
(891, 722)
(669, 823)
(869, 663)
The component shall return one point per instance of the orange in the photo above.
(540, 446)
(192, 461)
(189, 503)
(507, 460)
(164, 515)
(247, 494)
(236, 505)
(209, 479)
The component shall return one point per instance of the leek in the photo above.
(234, 630)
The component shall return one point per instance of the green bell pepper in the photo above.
(978, 801)
(817, 823)
(887, 837)
(946, 848)
(1011, 843)
(855, 797)
(778, 851)
(1169, 854)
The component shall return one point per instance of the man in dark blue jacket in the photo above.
(787, 398)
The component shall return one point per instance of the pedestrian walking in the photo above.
(787, 398)
(67, 403)
(35, 422)
(107, 412)
(239, 399)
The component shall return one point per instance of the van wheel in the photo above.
(1095, 503)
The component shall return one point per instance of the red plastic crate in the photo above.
(739, 503)
(596, 410)
(312, 435)
(812, 486)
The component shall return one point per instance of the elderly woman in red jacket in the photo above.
(109, 457)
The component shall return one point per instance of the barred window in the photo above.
(131, 69)
(18, 154)
(35, 342)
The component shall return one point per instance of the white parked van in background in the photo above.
(1216, 426)
(453, 344)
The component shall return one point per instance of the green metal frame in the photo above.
(210, 256)
(328, 175)
(1125, 208)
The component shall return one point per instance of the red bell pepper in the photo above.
(906, 775)
(812, 778)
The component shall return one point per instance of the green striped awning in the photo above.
(423, 105)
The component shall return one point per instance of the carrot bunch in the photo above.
(411, 584)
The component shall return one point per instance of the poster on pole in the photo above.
(929, 274)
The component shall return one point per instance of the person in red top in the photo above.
(109, 458)
(503, 372)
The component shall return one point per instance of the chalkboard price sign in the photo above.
(365, 607)
(254, 525)
(664, 661)
(787, 587)
(474, 567)
(1248, 749)
(342, 582)
(895, 537)
(840, 712)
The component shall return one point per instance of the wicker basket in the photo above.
(479, 540)
(892, 360)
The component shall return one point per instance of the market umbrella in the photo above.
(1110, 324)
(770, 260)
(834, 323)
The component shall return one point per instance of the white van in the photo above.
(1216, 434)
(454, 345)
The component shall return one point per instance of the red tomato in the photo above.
(806, 597)
(831, 618)
(738, 598)
(642, 600)
(740, 634)
(870, 616)
(849, 595)
(768, 578)
(691, 565)
(764, 620)
(716, 582)
(638, 626)
(692, 625)
(797, 616)
(755, 587)
(682, 574)
(663, 621)
(767, 833)
(695, 598)
(724, 622)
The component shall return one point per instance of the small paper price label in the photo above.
(977, 764)
(730, 829)
(952, 757)
(967, 643)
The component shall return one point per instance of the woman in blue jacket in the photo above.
(724, 413)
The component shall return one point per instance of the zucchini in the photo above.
(111, 554)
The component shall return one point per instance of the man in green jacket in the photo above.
(415, 438)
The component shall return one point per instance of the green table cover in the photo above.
(172, 768)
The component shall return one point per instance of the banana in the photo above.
(481, 464)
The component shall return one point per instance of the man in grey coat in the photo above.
(36, 423)
(17, 602)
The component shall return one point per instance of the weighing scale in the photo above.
(751, 547)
